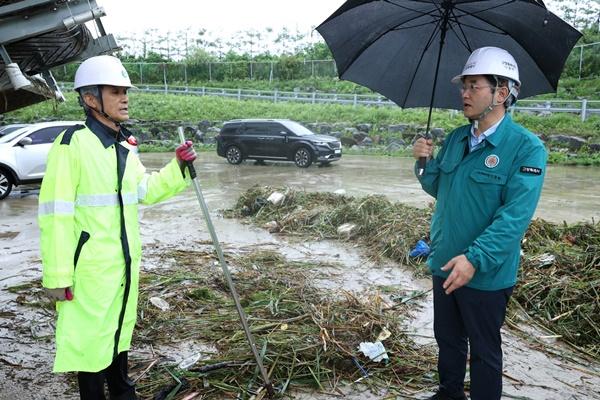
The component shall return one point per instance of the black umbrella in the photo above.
(409, 50)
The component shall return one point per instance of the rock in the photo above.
(143, 136)
(341, 192)
(348, 141)
(276, 198)
(204, 125)
(572, 142)
(324, 129)
(359, 137)
(210, 140)
(164, 136)
(594, 147)
(394, 146)
(336, 134)
(398, 128)
(367, 142)
(438, 133)
(199, 136)
(346, 229)
(410, 136)
(271, 226)
(349, 130)
(366, 128)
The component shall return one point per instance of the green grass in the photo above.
(190, 109)
(161, 107)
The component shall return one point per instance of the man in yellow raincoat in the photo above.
(90, 241)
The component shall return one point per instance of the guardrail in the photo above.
(584, 107)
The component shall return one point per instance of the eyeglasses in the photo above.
(472, 88)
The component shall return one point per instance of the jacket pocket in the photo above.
(483, 176)
(83, 238)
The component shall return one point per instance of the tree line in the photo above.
(288, 49)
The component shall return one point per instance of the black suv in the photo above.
(275, 139)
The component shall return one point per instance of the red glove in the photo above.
(185, 152)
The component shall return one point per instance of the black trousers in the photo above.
(91, 384)
(469, 318)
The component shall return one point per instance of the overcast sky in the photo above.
(220, 16)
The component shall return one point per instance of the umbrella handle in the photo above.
(421, 166)
(423, 160)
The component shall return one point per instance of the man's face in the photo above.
(116, 102)
(477, 95)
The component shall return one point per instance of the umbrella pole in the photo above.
(443, 29)
(227, 274)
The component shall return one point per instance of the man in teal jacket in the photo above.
(487, 179)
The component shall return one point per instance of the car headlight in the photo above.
(321, 143)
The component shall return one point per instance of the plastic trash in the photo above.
(346, 229)
(384, 334)
(188, 362)
(276, 198)
(159, 303)
(375, 351)
(421, 249)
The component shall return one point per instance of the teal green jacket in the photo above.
(485, 201)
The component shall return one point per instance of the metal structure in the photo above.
(37, 35)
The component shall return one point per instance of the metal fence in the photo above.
(585, 59)
(173, 73)
(584, 107)
(584, 62)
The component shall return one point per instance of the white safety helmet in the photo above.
(490, 61)
(102, 70)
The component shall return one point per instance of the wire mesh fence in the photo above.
(187, 73)
(584, 62)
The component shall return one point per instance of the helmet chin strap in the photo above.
(475, 121)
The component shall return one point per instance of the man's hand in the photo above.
(185, 152)
(60, 294)
(462, 273)
(423, 148)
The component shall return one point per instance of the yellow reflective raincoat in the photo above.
(90, 241)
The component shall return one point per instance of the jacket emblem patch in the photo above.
(492, 161)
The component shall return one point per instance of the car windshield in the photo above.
(5, 130)
(298, 129)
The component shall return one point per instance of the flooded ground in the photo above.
(570, 194)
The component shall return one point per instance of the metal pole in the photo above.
(165, 76)
(580, 61)
(226, 272)
(185, 74)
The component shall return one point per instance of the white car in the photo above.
(23, 153)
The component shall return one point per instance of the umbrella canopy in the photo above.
(409, 50)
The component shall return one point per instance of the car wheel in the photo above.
(234, 155)
(5, 185)
(303, 157)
